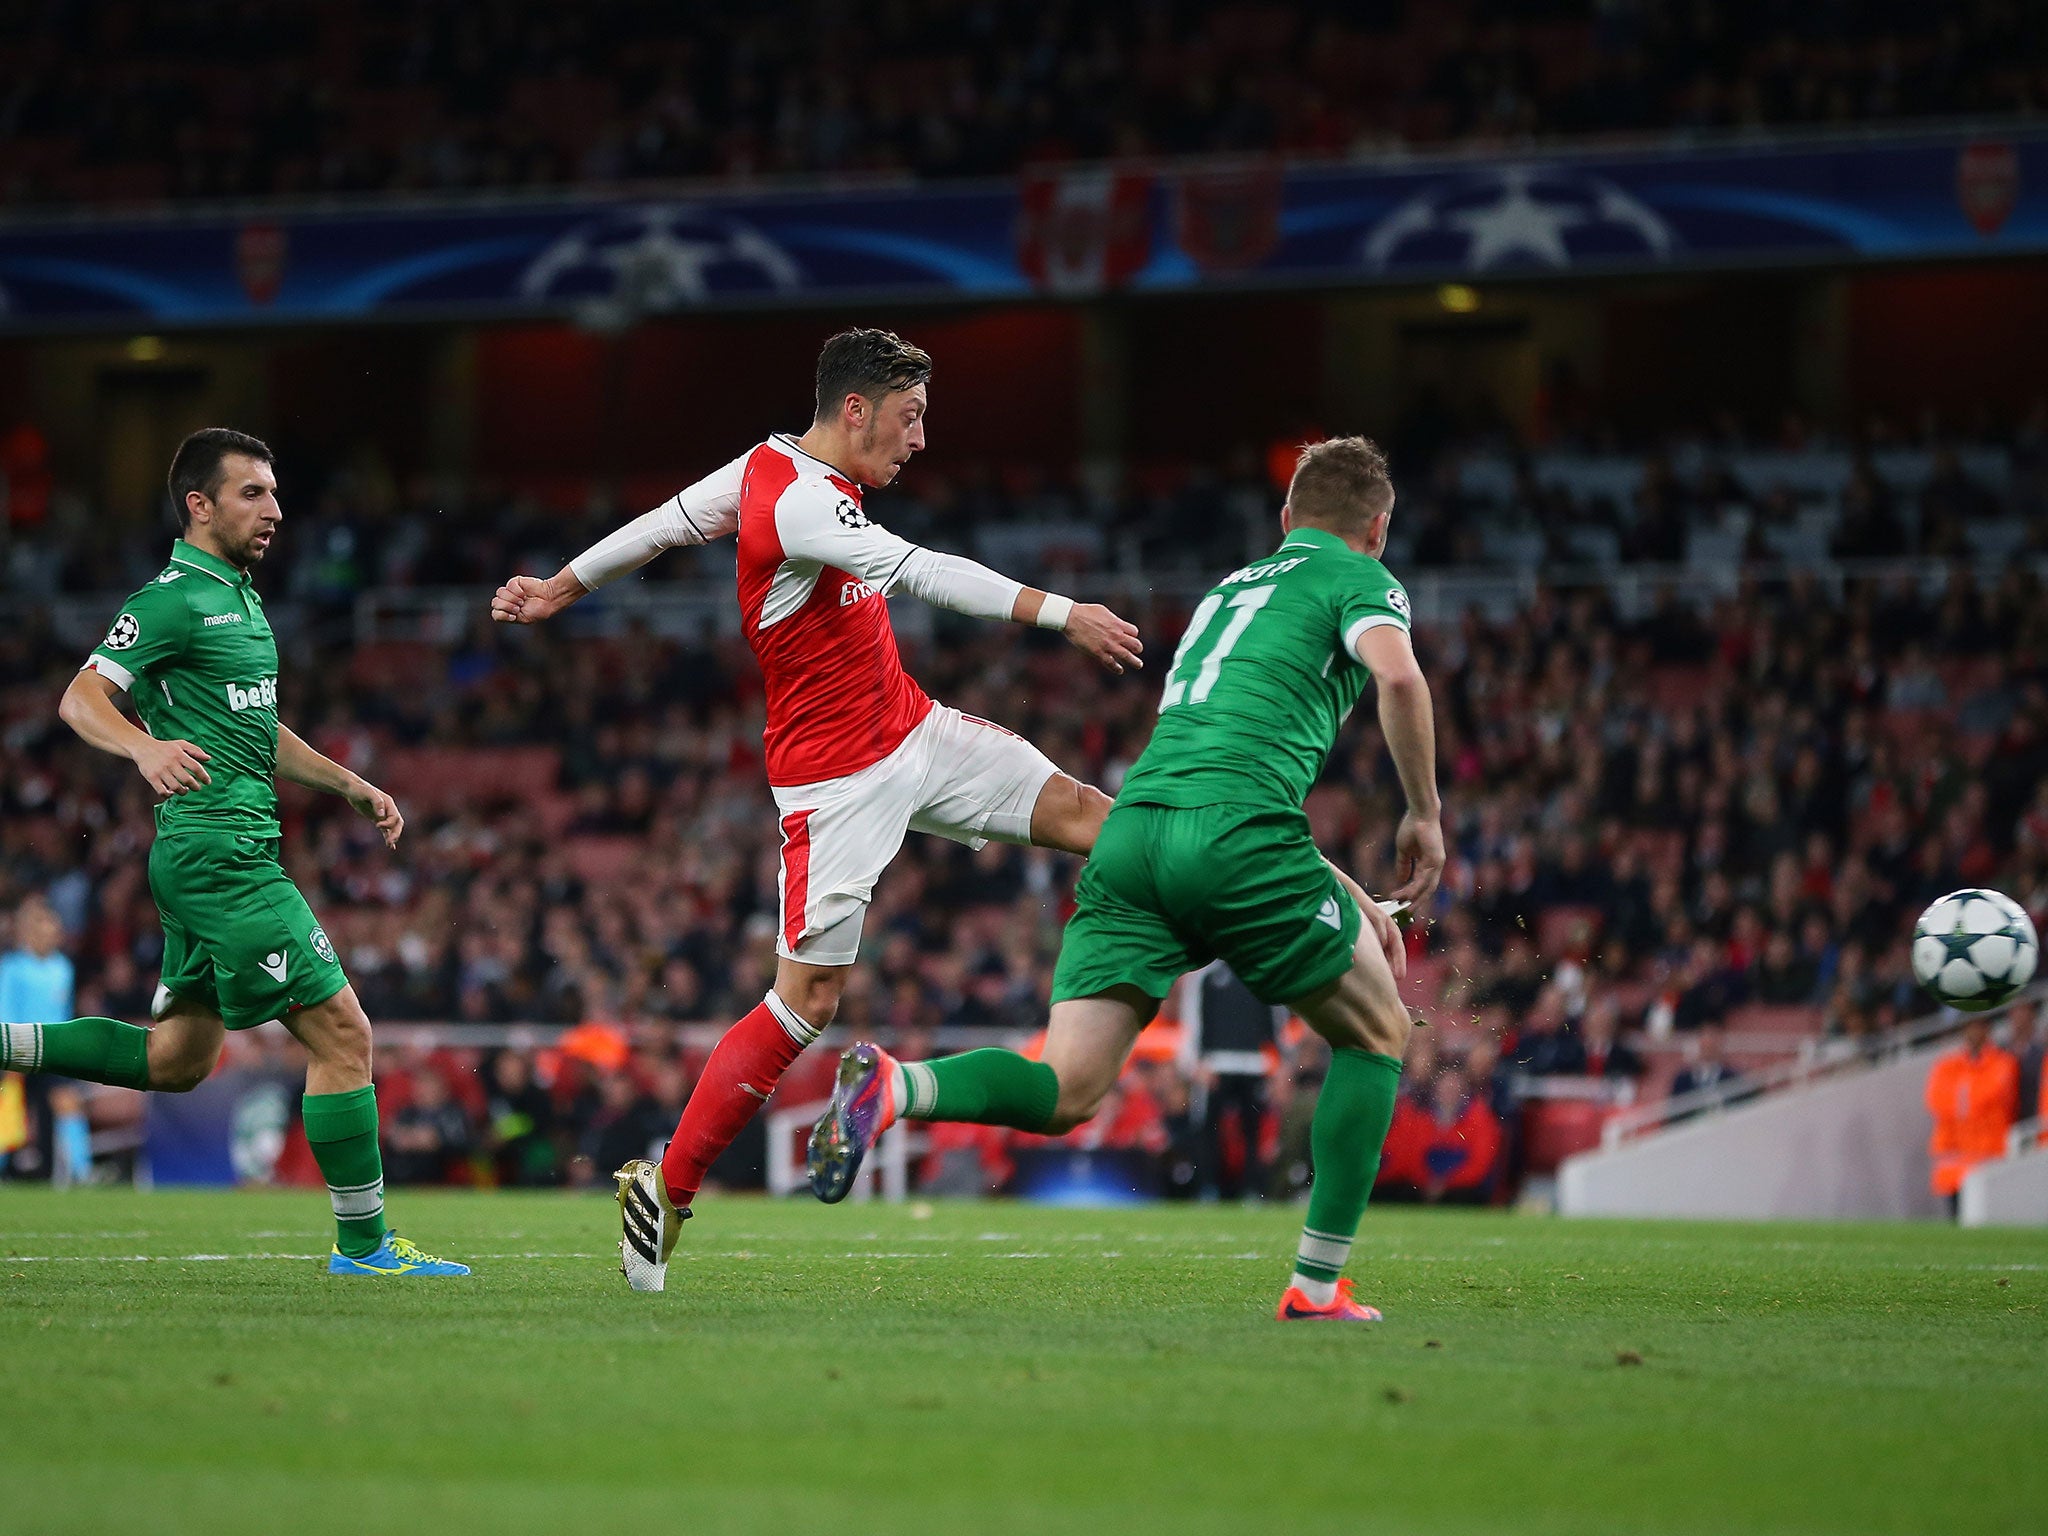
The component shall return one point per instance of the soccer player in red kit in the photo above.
(857, 754)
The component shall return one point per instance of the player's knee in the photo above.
(815, 999)
(1078, 1102)
(336, 1033)
(1068, 815)
(1093, 808)
(181, 1073)
(1387, 1032)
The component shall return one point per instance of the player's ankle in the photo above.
(1319, 1293)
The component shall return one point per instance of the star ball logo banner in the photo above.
(1154, 228)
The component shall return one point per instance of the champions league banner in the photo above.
(1070, 232)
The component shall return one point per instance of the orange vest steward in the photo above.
(1974, 1100)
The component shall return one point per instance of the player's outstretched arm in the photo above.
(835, 531)
(1091, 627)
(172, 767)
(1409, 724)
(302, 765)
(708, 510)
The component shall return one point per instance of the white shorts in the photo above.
(954, 775)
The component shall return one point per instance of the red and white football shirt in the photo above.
(813, 572)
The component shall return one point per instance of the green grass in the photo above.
(996, 1369)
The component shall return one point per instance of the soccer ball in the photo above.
(1974, 949)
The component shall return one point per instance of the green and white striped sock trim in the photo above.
(21, 1047)
(1322, 1255)
(357, 1202)
(917, 1090)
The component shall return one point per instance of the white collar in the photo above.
(202, 570)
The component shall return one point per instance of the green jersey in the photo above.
(1265, 675)
(197, 657)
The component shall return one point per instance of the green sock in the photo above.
(988, 1087)
(1352, 1116)
(341, 1128)
(92, 1050)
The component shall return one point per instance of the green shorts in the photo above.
(238, 936)
(1169, 889)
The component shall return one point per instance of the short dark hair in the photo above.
(870, 363)
(1340, 484)
(196, 466)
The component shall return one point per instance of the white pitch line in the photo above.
(701, 1254)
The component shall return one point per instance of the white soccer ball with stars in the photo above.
(1974, 949)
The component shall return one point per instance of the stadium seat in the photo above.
(1553, 1129)
(1775, 1019)
(603, 860)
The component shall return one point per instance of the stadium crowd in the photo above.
(197, 99)
(1660, 822)
(1468, 502)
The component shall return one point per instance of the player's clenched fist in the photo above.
(1110, 640)
(530, 599)
(172, 767)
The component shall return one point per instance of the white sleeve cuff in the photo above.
(113, 672)
(1370, 621)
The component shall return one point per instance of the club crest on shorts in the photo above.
(126, 632)
(322, 945)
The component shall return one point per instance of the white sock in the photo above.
(21, 1047)
(914, 1088)
(1320, 1293)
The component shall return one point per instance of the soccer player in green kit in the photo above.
(1207, 854)
(196, 656)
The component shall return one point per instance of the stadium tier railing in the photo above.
(1825, 1059)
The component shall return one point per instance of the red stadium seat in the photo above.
(1775, 1019)
(1553, 1129)
(603, 860)
(1567, 932)
(445, 778)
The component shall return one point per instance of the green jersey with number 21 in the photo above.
(1266, 673)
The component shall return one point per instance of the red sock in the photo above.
(744, 1068)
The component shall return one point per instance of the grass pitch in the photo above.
(173, 1363)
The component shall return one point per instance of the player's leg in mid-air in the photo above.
(1164, 889)
(955, 777)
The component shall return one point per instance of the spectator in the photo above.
(1708, 1066)
(2023, 1039)
(1602, 1051)
(427, 1140)
(1973, 1094)
(1544, 1044)
(1448, 1150)
(1708, 988)
(35, 988)
(1228, 1039)
(1784, 976)
(519, 1124)
(626, 1125)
